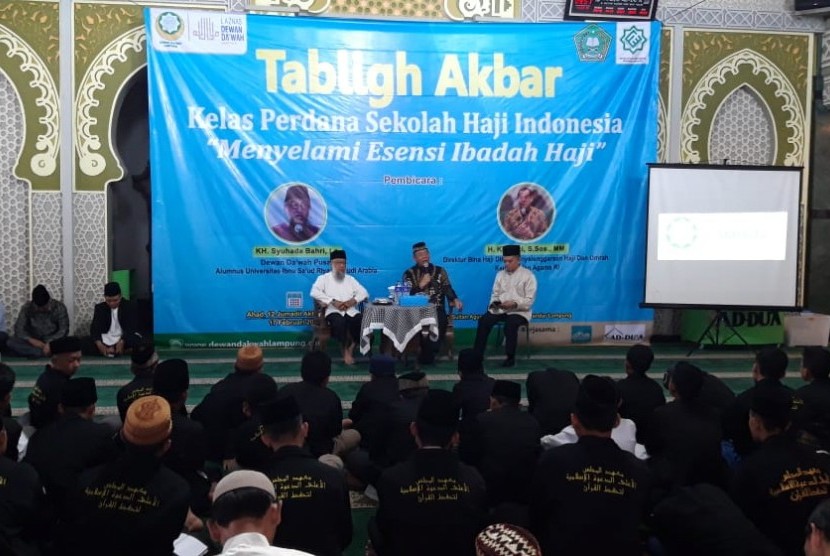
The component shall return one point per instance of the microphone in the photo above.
(298, 229)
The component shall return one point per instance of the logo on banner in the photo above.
(625, 332)
(592, 44)
(460, 10)
(170, 26)
(580, 334)
(632, 43)
(294, 300)
(199, 32)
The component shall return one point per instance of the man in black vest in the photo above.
(577, 486)
(114, 328)
(46, 393)
(317, 516)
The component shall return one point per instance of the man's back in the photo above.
(63, 450)
(551, 395)
(640, 396)
(736, 417)
(430, 504)
(504, 446)
(322, 410)
(316, 515)
(777, 487)
(589, 498)
(133, 506)
(221, 411)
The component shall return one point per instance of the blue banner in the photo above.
(276, 139)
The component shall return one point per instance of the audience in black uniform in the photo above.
(65, 448)
(188, 440)
(684, 436)
(431, 503)
(812, 401)
(134, 505)
(143, 361)
(640, 394)
(778, 485)
(590, 497)
(13, 429)
(321, 408)
(317, 516)
(551, 394)
(136, 502)
(769, 367)
(246, 448)
(23, 515)
(46, 393)
(503, 444)
(221, 409)
(472, 392)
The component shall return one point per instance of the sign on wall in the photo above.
(276, 140)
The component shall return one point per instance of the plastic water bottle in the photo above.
(398, 291)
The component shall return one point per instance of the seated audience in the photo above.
(812, 401)
(246, 448)
(143, 362)
(770, 366)
(551, 395)
(188, 440)
(578, 486)
(40, 321)
(503, 444)
(246, 515)
(46, 393)
(23, 517)
(373, 402)
(15, 439)
(431, 503)
(315, 499)
(114, 328)
(134, 505)
(321, 407)
(65, 448)
(640, 394)
(778, 485)
(220, 412)
(624, 435)
(472, 392)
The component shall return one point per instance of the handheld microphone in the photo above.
(298, 229)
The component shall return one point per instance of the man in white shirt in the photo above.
(340, 293)
(511, 301)
(246, 514)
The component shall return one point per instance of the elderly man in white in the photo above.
(340, 293)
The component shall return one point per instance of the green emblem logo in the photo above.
(170, 26)
(592, 44)
(633, 40)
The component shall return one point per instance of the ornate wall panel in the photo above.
(766, 72)
(14, 206)
(29, 58)
(90, 254)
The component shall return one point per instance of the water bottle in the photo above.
(398, 290)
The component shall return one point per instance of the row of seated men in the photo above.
(593, 467)
(114, 329)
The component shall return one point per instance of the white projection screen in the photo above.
(723, 236)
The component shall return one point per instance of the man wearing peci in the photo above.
(426, 278)
(511, 301)
(340, 293)
(296, 228)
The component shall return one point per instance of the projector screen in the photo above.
(723, 236)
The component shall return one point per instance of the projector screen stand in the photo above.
(714, 333)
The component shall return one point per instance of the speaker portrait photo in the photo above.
(295, 213)
(526, 212)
